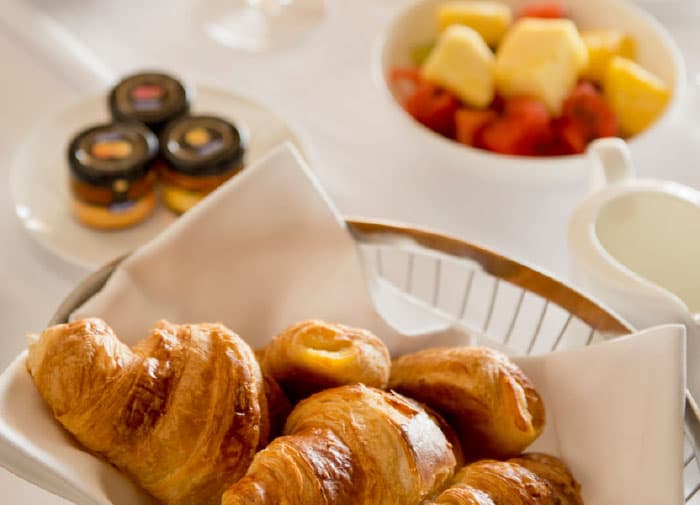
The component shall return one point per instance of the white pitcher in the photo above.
(635, 245)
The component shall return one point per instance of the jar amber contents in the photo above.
(112, 178)
(199, 154)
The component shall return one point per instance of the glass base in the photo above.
(261, 25)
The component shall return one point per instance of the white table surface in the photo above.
(362, 156)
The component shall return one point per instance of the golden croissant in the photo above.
(553, 470)
(314, 355)
(182, 412)
(351, 445)
(531, 479)
(492, 404)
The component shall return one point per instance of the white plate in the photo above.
(39, 175)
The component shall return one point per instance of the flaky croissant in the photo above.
(314, 355)
(182, 413)
(489, 482)
(494, 407)
(565, 488)
(531, 479)
(351, 445)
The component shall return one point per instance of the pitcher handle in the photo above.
(610, 163)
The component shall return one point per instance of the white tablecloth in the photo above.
(327, 87)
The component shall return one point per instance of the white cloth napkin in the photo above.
(268, 249)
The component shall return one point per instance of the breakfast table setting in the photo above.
(331, 197)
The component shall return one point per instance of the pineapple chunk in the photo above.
(541, 58)
(602, 46)
(490, 19)
(637, 96)
(463, 64)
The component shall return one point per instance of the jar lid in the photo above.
(202, 145)
(152, 98)
(108, 153)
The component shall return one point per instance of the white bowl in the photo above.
(656, 51)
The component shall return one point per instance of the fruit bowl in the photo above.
(416, 25)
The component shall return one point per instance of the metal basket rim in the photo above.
(527, 277)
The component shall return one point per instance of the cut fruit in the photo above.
(572, 135)
(420, 53)
(637, 96)
(602, 46)
(541, 58)
(471, 122)
(547, 10)
(489, 19)
(525, 129)
(434, 108)
(463, 64)
(587, 108)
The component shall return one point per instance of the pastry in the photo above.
(182, 412)
(278, 405)
(351, 445)
(199, 153)
(530, 479)
(315, 355)
(565, 488)
(112, 179)
(489, 482)
(493, 406)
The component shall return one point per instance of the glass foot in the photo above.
(261, 25)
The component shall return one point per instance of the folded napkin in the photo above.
(268, 249)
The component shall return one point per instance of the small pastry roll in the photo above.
(278, 406)
(565, 488)
(315, 355)
(491, 403)
(489, 482)
(530, 479)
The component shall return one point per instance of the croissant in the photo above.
(314, 355)
(278, 406)
(182, 412)
(489, 482)
(351, 445)
(494, 407)
(530, 479)
(564, 487)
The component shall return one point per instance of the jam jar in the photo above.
(198, 154)
(151, 98)
(112, 177)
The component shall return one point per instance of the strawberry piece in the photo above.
(405, 74)
(513, 135)
(586, 115)
(529, 109)
(546, 9)
(498, 104)
(434, 108)
(571, 136)
(524, 130)
(470, 123)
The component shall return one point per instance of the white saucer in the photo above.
(39, 175)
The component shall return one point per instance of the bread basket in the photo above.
(514, 306)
